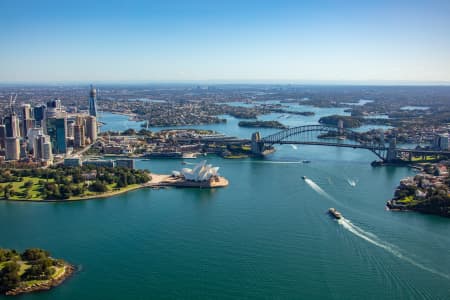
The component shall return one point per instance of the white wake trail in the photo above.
(352, 182)
(294, 147)
(373, 239)
(318, 189)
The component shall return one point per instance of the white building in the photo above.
(201, 172)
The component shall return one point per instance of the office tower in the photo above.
(42, 148)
(39, 115)
(12, 125)
(23, 149)
(57, 130)
(12, 148)
(91, 128)
(27, 119)
(31, 135)
(70, 129)
(2, 136)
(93, 102)
(78, 136)
(54, 108)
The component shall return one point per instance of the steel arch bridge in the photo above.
(307, 135)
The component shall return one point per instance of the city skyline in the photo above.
(257, 42)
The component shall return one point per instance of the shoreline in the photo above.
(91, 197)
(157, 181)
(69, 270)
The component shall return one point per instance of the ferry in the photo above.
(333, 212)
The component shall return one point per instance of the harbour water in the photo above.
(267, 235)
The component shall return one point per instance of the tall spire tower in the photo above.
(93, 102)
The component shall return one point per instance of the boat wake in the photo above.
(373, 239)
(352, 182)
(294, 147)
(318, 189)
(277, 162)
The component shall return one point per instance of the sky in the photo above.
(225, 41)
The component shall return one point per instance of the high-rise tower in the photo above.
(93, 102)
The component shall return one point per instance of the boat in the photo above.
(304, 177)
(333, 212)
(189, 155)
(306, 161)
(183, 163)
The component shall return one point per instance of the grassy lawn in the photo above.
(59, 270)
(34, 192)
(19, 189)
(408, 200)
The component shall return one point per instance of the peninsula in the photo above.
(427, 192)
(30, 271)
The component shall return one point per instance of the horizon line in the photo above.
(386, 82)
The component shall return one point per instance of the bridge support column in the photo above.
(257, 145)
(392, 150)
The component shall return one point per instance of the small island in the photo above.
(69, 183)
(262, 124)
(30, 271)
(348, 122)
(427, 192)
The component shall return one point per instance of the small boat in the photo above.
(306, 161)
(183, 163)
(333, 212)
(304, 177)
(189, 155)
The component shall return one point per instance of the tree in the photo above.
(9, 276)
(98, 187)
(33, 254)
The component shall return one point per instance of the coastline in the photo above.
(91, 197)
(46, 285)
(157, 181)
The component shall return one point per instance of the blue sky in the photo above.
(266, 41)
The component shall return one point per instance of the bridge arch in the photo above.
(307, 135)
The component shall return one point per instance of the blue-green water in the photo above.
(266, 235)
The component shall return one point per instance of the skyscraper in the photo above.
(78, 136)
(91, 128)
(12, 148)
(42, 148)
(12, 125)
(2, 136)
(39, 115)
(27, 120)
(93, 102)
(54, 108)
(56, 129)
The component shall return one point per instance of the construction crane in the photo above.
(12, 102)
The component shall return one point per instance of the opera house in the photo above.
(202, 175)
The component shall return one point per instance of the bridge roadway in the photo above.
(366, 146)
(359, 146)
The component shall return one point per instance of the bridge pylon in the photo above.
(257, 146)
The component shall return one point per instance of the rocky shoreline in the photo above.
(44, 286)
